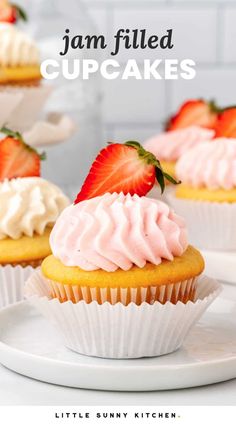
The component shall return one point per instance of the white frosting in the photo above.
(28, 206)
(16, 47)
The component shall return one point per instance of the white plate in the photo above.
(220, 265)
(31, 347)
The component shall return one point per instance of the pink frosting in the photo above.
(211, 165)
(117, 231)
(170, 145)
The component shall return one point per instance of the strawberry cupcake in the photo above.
(207, 195)
(30, 206)
(121, 274)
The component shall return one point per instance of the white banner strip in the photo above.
(117, 414)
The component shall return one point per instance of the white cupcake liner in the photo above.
(182, 291)
(12, 280)
(211, 225)
(20, 107)
(118, 331)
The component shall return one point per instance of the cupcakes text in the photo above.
(125, 39)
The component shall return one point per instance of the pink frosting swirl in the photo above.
(210, 164)
(117, 231)
(170, 145)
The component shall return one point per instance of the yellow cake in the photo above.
(219, 195)
(25, 250)
(19, 57)
(20, 75)
(186, 267)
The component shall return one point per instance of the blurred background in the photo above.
(203, 30)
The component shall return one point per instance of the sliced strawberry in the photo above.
(226, 125)
(194, 112)
(126, 168)
(17, 159)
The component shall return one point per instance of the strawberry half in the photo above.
(126, 168)
(11, 13)
(17, 159)
(226, 125)
(194, 112)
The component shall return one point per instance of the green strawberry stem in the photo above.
(21, 14)
(10, 133)
(15, 134)
(151, 159)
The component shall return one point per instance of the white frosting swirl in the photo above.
(28, 206)
(16, 48)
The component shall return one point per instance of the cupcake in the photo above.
(207, 195)
(19, 57)
(121, 248)
(122, 278)
(30, 206)
(22, 95)
(171, 145)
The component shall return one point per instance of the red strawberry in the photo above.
(17, 159)
(126, 168)
(10, 13)
(194, 112)
(226, 125)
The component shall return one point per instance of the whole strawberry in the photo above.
(127, 168)
(17, 159)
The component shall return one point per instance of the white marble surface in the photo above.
(18, 390)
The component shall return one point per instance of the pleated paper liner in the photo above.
(119, 331)
(216, 221)
(12, 280)
(182, 291)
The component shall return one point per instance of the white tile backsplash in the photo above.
(229, 35)
(130, 101)
(135, 132)
(194, 32)
(218, 84)
(204, 30)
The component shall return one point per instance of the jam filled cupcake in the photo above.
(122, 280)
(207, 195)
(30, 206)
(121, 248)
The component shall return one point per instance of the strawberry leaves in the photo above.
(20, 13)
(152, 160)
